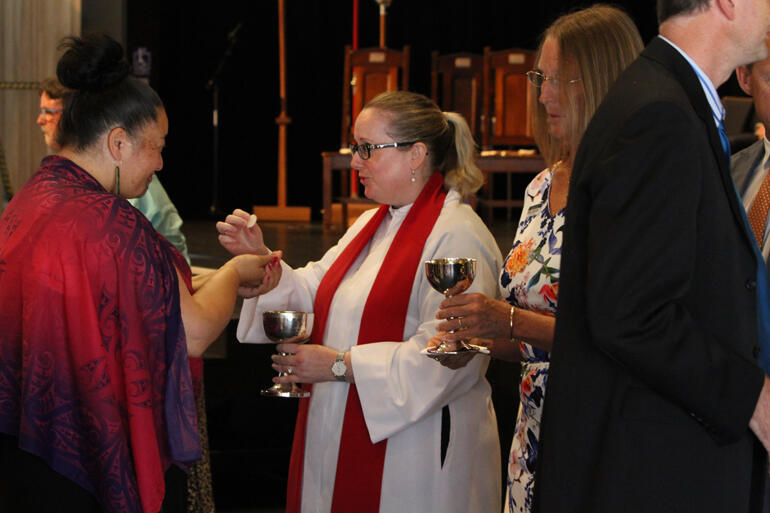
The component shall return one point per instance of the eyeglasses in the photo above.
(537, 79)
(49, 112)
(365, 150)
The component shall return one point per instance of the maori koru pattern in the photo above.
(94, 375)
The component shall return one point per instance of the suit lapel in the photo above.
(663, 53)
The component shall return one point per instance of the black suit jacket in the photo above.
(653, 374)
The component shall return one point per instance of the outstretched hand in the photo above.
(238, 238)
(257, 274)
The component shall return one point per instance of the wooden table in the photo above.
(497, 162)
(333, 161)
(510, 162)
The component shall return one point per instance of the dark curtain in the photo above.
(187, 40)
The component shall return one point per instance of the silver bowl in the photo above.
(451, 276)
(287, 325)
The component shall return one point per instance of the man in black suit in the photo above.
(750, 166)
(656, 401)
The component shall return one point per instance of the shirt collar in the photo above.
(717, 110)
(399, 212)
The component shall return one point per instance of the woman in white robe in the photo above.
(406, 398)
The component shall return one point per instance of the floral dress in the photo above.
(530, 280)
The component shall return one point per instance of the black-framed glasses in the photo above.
(538, 78)
(44, 111)
(365, 150)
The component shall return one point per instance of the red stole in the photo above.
(358, 481)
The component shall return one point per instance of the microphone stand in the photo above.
(213, 86)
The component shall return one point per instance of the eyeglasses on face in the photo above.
(49, 112)
(537, 79)
(365, 150)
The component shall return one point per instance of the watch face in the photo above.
(339, 368)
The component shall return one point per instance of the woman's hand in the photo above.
(257, 274)
(273, 272)
(500, 348)
(206, 312)
(476, 316)
(452, 361)
(305, 363)
(236, 236)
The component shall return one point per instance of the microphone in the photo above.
(234, 33)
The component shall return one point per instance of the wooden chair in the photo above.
(740, 118)
(369, 72)
(505, 111)
(457, 85)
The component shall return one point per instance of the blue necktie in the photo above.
(724, 139)
(763, 287)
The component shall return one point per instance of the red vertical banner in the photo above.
(355, 24)
(353, 174)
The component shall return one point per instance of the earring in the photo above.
(117, 181)
(414, 179)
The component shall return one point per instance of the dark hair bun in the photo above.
(92, 63)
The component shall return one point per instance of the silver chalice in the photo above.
(290, 327)
(451, 276)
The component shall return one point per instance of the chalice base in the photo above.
(284, 390)
(465, 347)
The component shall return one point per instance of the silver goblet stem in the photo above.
(451, 276)
(290, 327)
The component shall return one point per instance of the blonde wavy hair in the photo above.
(595, 45)
(451, 149)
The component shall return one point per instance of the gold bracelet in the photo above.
(510, 319)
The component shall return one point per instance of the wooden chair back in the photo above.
(505, 106)
(369, 72)
(739, 113)
(457, 84)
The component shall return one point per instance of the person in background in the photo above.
(658, 397)
(387, 428)
(750, 167)
(53, 98)
(155, 204)
(100, 316)
(759, 130)
(579, 57)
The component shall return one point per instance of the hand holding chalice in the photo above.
(452, 276)
(287, 327)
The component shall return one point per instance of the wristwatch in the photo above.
(339, 368)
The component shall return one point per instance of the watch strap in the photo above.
(340, 359)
